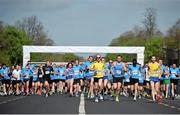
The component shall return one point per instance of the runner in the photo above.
(62, 78)
(70, 77)
(16, 74)
(35, 81)
(166, 81)
(162, 68)
(77, 72)
(127, 84)
(89, 81)
(118, 71)
(47, 72)
(55, 78)
(109, 86)
(6, 79)
(40, 79)
(134, 71)
(174, 76)
(82, 75)
(147, 90)
(155, 75)
(141, 82)
(99, 68)
(26, 73)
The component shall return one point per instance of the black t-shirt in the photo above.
(47, 70)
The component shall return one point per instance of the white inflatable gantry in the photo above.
(27, 50)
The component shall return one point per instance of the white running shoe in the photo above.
(92, 96)
(46, 95)
(96, 100)
(100, 97)
(117, 99)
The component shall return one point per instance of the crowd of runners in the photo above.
(98, 79)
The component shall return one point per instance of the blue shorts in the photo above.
(154, 79)
(89, 78)
(105, 77)
(69, 77)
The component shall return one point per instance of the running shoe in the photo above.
(96, 100)
(117, 99)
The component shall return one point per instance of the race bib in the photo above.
(47, 72)
(99, 72)
(71, 74)
(173, 75)
(135, 72)
(76, 72)
(155, 74)
(118, 72)
(40, 76)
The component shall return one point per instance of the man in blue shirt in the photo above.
(134, 71)
(89, 76)
(174, 76)
(77, 72)
(6, 79)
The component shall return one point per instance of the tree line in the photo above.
(149, 36)
(27, 31)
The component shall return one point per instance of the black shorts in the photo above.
(127, 83)
(145, 82)
(141, 84)
(14, 82)
(175, 81)
(76, 81)
(41, 80)
(134, 80)
(117, 79)
(25, 80)
(96, 80)
(48, 79)
(6, 81)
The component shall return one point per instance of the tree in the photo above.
(14, 40)
(34, 30)
(173, 35)
(153, 47)
(149, 22)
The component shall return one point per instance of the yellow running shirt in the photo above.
(99, 69)
(154, 70)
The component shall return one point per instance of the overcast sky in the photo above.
(89, 22)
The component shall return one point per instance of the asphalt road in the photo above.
(62, 104)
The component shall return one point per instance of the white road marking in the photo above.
(6, 101)
(82, 105)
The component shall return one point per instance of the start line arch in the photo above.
(27, 50)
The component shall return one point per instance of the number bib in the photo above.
(47, 72)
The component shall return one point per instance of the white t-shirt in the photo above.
(17, 74)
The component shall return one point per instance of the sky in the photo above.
(89, 22)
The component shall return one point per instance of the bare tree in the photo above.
(34, 30)
(149, 22)
(174, 33)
